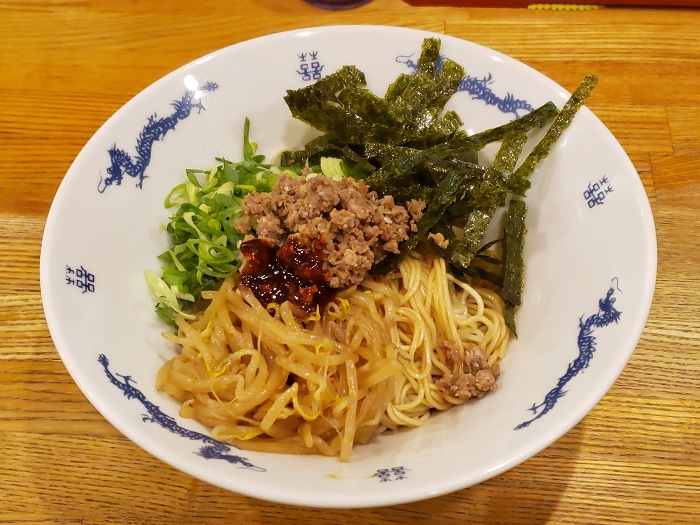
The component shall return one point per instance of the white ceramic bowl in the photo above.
(590, 255)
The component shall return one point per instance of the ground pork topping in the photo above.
(471, 375)
(356, 227)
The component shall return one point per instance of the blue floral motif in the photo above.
(212, 448)
(607, 314)
(121, 162)
(479, 89)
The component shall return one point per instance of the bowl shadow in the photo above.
(525, 495)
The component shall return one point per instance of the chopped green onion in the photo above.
(204, 240)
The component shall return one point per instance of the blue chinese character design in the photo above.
(596, 192)
(310, 68)
(392, 474)
(80, 278)
(122, 163)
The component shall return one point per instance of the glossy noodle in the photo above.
(385, 354)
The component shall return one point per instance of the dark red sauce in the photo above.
(292, 272)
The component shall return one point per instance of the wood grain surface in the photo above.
(67, 65)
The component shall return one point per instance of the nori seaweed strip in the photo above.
(289, 159)
(447, 80)
(303, 99)
(509, 318)
(535, 119)
(441, 198)
(471, 271)
(350, 115)
(487, 192)
(415, 102)
(408, 169)
(325, 145)
(464, 147)
(322, 146)
(374, 112)
(440, 130)
(513, 255)
(433, 163)
(486, 246)
(484, 275)
(427, 66)
(438, 163)
(468, 243)
(450, 75)
(459, 210)
(396, 88)
(340, 106)
(485, 199)
(417, 109)
(397, 176)
(487, 258)
(488, 188)
(509, 152)
(429, 55)
(358, 160)
(566, 115)
(513, 263)
(388, 152)
(406, 177)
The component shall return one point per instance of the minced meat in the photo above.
(471, 376)
(356, 227)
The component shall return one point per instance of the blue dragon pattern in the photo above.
(212, 448)
(156, 128)
(606, 315)
(479, 89)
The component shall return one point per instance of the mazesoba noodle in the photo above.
(385, 354)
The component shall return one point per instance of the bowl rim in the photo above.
(436, 487)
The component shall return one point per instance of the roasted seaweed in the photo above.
(346, 112)
(563, 120)
(439, 200)
(513, 262)
(405, 145)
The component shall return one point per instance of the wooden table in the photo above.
(67, 65)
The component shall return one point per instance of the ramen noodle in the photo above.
(384, 354)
